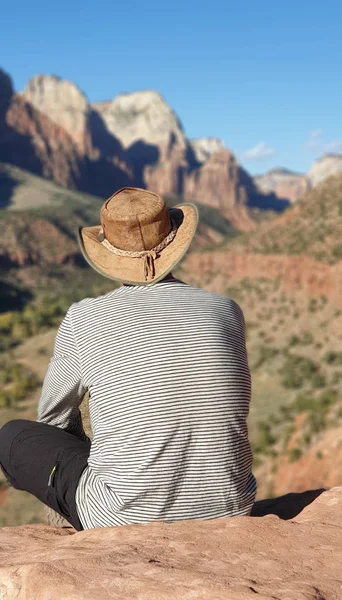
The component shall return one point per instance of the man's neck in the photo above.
(169, 277)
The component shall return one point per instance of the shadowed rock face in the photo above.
(6, 92)
(237, 558)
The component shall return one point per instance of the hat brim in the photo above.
(131, 270)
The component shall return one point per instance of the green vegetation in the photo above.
(47, 309)
(337, 251)
(265, 439)
(297, 371)
(333, 358)
(16, 382)
(313, 227)
(304, 340)
(266, 354)
(295, 454)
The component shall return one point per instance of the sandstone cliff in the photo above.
(205, 147)
(135, 139)
(283, 183)
(237, 558)
(64, 103)
(328, 165)
(166, 162)
(142, 116)
(51, 130)
(229, 189)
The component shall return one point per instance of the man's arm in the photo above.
(63, 389)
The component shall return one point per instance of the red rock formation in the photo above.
(218, 183)
(52, 149)
(35, 241)
(312, 277)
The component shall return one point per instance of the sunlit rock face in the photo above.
(63, 102)
(205, 147)
(142, 116)
(330, 164)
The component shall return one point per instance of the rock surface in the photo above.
(312, 277)
(238, 558)
(51, 130)
(37, 144)
(284, 184)
(142, 116)
(136, 139)
(328, 165)
(220, 183)
(63, 102)
(205, 147)
(6, 92)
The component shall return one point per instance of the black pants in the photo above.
(45, 461)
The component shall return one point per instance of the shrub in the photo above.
(337, 251)
(303, 403)
(265, 438)
(266, 353)
(307, 438)
(17, 382)
(336, 377)
(318, 380)
(295, 454)
(312, 305)
(297, 370)
(333, 358)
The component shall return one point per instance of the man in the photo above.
(166, 368)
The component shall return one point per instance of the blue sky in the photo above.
(262, 75)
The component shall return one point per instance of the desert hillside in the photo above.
(287, 277)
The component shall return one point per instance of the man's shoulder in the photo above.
(90, 304)
(218, 299)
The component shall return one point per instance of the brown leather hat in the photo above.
(139, 240)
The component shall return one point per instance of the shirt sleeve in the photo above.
(63, 389)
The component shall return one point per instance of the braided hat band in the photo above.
(149, 256)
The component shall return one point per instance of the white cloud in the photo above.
(315, 142)
(259, 152)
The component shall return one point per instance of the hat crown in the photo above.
(135, 219)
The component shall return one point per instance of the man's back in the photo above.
(169, 387)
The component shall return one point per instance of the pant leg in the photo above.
(45, 461)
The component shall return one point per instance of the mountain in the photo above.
(328, 165)
(52, 130)
(142, 116)
(292, 186)
(283, 183)
(65, 105)
(205, 147)
(312, 227)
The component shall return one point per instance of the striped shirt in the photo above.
(169, 384)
